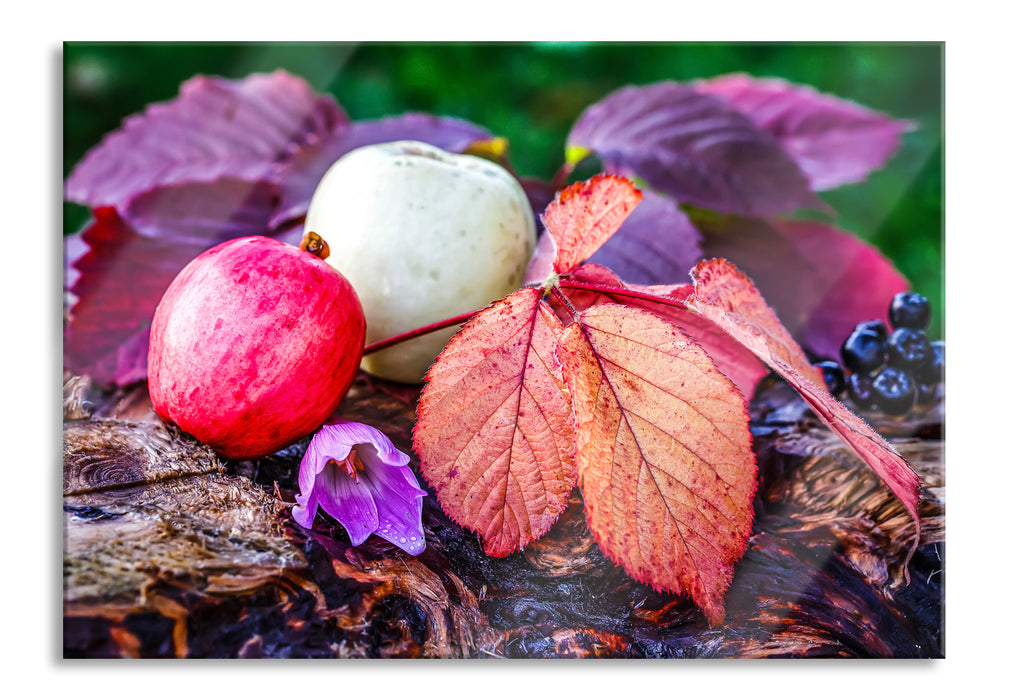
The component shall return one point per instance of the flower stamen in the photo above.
(352, 465)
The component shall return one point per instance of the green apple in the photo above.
(422, 235)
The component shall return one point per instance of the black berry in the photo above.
(926, 392)
(861, 391)
(908, 349)
(833, 376)
(895, 391)
(865, 349)
(875, 325)
(909, 310)
(934, 370)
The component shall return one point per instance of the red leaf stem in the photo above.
(562, 298)
(616, 291)
(423, 330)
(561, 176)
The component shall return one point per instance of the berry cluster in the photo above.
(890, 372)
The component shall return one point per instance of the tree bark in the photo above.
(172, 552)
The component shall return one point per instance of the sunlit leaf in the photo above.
(663, 452)
(727, 297)
(732, 359)
(584, 215)
(494, 427)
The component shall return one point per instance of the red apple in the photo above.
(253, 346)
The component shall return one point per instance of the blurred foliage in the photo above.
(533, 93)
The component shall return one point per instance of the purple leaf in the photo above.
(834, 141)
(540, 194)
(693, 147)
(204, 213)
(127, 262)
(833, 280)
(300, 176)
(218, 162)
(215, 128)
(541, 264)
(656, 245)
(120, 278)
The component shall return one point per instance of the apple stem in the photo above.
(416, 332)
(617, 292)
(315, 244)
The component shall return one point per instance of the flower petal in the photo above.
(398, 498)
(350, 433)
(326, 444)
(384, 499)
(304, 512)
(352, 503)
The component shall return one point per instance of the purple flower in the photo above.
(355, 473)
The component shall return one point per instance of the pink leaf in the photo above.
(494, 426)
(741, 366)
(662, 450)
(727, 297)
(656, 244)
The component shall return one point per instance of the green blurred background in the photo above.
(532, 93)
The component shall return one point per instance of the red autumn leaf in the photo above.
(727, 297)
(585, 214)
(835, 280)
(736, 362)
(494, 427)
(663, 452)
(658, 244)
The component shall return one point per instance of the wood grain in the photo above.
(170, 552)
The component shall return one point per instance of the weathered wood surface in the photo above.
(170, 551)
